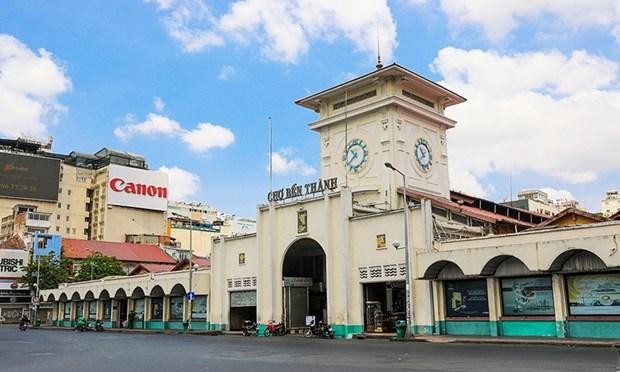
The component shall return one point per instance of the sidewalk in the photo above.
(589, 342)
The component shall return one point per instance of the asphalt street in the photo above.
(53, 350)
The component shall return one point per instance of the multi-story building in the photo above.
(102, 196)
(534, 201)
(611, 204)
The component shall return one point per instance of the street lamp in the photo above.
(191, 269)
(408, 333)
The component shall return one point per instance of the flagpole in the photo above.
(271, 202)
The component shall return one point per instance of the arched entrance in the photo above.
(304, 280)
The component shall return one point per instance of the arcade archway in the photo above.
(304, 280)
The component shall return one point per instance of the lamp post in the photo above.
(408, 333)
(191, 269)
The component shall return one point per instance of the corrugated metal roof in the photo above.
(126, 252)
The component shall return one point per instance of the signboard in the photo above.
(288, 281)
(191, 296)
(467, 298)
(12, 262)
(527, 296)
(594, 294)
(296, 191)
(199, 307)
(137, 188)
(242, 298)
(29, 177)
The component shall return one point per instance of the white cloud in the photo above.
(30, 83)
(227, 72)
(546, 113)
(283, 29)
(499, 18)
(285, 162)
(207, 136)
(182, 183)
(558, 194)
(154, 125)
(158, 104)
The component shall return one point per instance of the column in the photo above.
(559, 304)
(166, 311)
(495, 306)
(147, 312)
(439, 311)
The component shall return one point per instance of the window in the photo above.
(67, 218)
(107, 309)
(459, 218)
(157, 308)
(73, 230)
(67, 311)
(199, 307)
(57, 216)
(92, 310)
(138, 308)
(527, 296)
(68, 231)
(176, 308)
(79, 309)
(594, 294)
(465, 298)
(68, 192)
(68, 206)
(57, 228)
(59, 205)
(60, 190)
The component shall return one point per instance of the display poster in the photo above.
(29, 177)
(594, 294)
(199, 307)
(176, 307)
(527, 296)
(242, 298)
(107, 310)
(138, 308)
(157, 308)
(467, 298)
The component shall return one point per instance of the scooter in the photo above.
(23, 326)
(99, 326)
(274, 328)
(249, 328)
(320, 330)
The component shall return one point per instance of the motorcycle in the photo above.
(249, 328)
(82, 325)
(274, 328)
(23, 326)
(99, 326)
(320, 330)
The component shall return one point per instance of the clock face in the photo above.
(423, 154)
(355, 155)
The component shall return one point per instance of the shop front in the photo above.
(385, 303)
(242, 307)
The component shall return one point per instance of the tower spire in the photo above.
(379, 65)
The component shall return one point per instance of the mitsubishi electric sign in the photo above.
(12, 262)
(137, 188)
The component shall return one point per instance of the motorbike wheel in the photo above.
(267, 332)
(254, 333)
(245, 332)
(308, 333)
(281, 331)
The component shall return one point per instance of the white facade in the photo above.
(611, 204)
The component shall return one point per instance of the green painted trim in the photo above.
(423, 329)
(468, 328)
(347, 330)
(440, 327)
(595, 329)
(138, 324)
(540, 328)
(561, 328)
(176, 325)
(107, 324)
(218, 326)
(494, 328)
(155, 324)
(200, 325)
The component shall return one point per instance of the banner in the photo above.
(137, 188)
(12, 262)
(527, 296)
(594, 294)
(29, 177)
(467, 298)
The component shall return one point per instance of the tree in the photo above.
(53, 271)
(97, 266)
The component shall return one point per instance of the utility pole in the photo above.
(191, 269)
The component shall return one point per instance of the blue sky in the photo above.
(189, 84)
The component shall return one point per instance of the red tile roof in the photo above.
(151, 268)
(201, 262)
(126, 252)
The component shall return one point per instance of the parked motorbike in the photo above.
(99, 326)
(319, 330)
(82, 325)
(274, 328)
(249, 328)
(23, 326)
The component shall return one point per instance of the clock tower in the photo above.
(389, 115)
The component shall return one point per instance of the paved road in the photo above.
(47, 350)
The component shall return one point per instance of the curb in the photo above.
(139, 331)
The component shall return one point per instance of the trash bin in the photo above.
(401, 328)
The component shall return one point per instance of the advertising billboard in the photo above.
(137, 188)
(29, 177)
(12, 262)
(594, 294)
(467, 298)
(527, 296)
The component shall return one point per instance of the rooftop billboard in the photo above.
(29, 177)
(137, 188)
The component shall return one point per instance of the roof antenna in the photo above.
(379, 65)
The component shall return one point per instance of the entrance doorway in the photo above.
(384, 304)
(242, 307)
(304, 280)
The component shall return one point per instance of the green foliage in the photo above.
(53, 270)
(97, 266)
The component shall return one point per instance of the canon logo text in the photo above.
(119, 185)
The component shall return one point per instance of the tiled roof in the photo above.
(201, 262)
(151, 268)
(126, 252)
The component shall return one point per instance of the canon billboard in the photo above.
(29, 177)
(137, 188)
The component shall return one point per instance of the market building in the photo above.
(336, 249)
